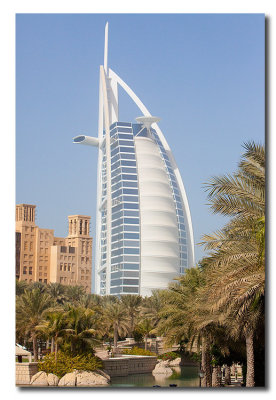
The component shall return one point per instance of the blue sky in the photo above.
(202, 74)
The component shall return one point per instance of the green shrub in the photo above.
(171, 355)
(66, 363)
(136, 351)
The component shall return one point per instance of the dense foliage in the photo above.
(137, 351)
(65, 363)
(170, 355)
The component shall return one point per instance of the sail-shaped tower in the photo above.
(144, 235)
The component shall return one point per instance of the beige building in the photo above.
(42, 257)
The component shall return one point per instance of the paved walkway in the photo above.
(101, 353)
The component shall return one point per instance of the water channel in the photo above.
(182, 377)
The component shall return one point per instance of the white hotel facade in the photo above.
(144, 236)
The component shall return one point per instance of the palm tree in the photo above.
(176, 317)
(236, 270)
(80, 330)
(74, 293)
(42, 287)
(30, 310)
(146, 327)
(57, 292)
(53, 326)
(132, 305)
(92, 301)
(153, 305)
(21, 286)
(179, 318)
(115, 317)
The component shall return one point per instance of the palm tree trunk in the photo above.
(56, 349)
(227, 380)
(146, 342)
(215, 378)
(115, 336)
(52, 345)
(205, 363)
(208, 369)
(35, 348)
(250, 382)
(131, 326)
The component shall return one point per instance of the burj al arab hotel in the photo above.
(144, 236)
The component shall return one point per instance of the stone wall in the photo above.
(128, 365)
(24, 372)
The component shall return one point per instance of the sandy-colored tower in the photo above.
(42, 257)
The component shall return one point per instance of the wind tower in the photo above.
(144, 235)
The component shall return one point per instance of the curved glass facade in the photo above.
(126, 240)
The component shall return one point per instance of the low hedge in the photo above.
(171, 355)
(136, 351)
(66, 363)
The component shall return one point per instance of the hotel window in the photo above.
(40, 268)
(31, 246)
(30, 270)
(69, 267)
(61, 267)
(25, 245)
(45, 280)
(40, 273)
(40, 280)
(65, 267)
(25, 270)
